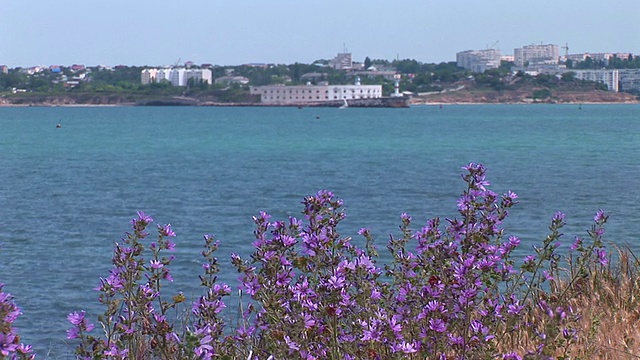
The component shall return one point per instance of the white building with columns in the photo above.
(301, 94)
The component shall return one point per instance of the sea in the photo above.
(68, 193)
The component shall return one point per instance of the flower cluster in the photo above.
(10, 345)
(451, 290)
(135, 320)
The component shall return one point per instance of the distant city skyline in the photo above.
(160, 32)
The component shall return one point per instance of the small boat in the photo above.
(58, 126)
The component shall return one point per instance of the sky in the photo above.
(162, 32)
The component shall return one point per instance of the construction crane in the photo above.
(493, 46)
(566, 49)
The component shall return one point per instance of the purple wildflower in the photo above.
(143, 219)
(165, 230)
(600, 217)
(602, 256)
(558, 217)
(7, 344)
(576, 244)
(437, 325)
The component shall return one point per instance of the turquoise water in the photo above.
(67, 194)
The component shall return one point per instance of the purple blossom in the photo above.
(406, 347)
(76, 318)
(514, 241)
(291, 344)
(437, 325)
(288, 240)
(558, 217)
(115, 352)
(165, 230)
(336, 282)
(600, 217)
(143, 219)
(7, 343)
(576, 244)
(24, 349)
(602, 256)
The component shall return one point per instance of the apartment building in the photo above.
(176, 76)
(604, 57)
(605, 76)
(342, 61)
(629, 79)
(536, 55)
(478, 60)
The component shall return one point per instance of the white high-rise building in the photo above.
(177, 77)
(478, 60)
(536, 55)
(148, 76)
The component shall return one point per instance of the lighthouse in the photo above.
(396, 85)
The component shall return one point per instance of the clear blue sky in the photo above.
(159, 32)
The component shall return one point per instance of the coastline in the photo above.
(466, 99)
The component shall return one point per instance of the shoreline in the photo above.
(528, 103)
(411, 102)
(294, 106)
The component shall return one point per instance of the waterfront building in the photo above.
(478, 60)
(605, 76)
(301, 94)
(536, 55)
